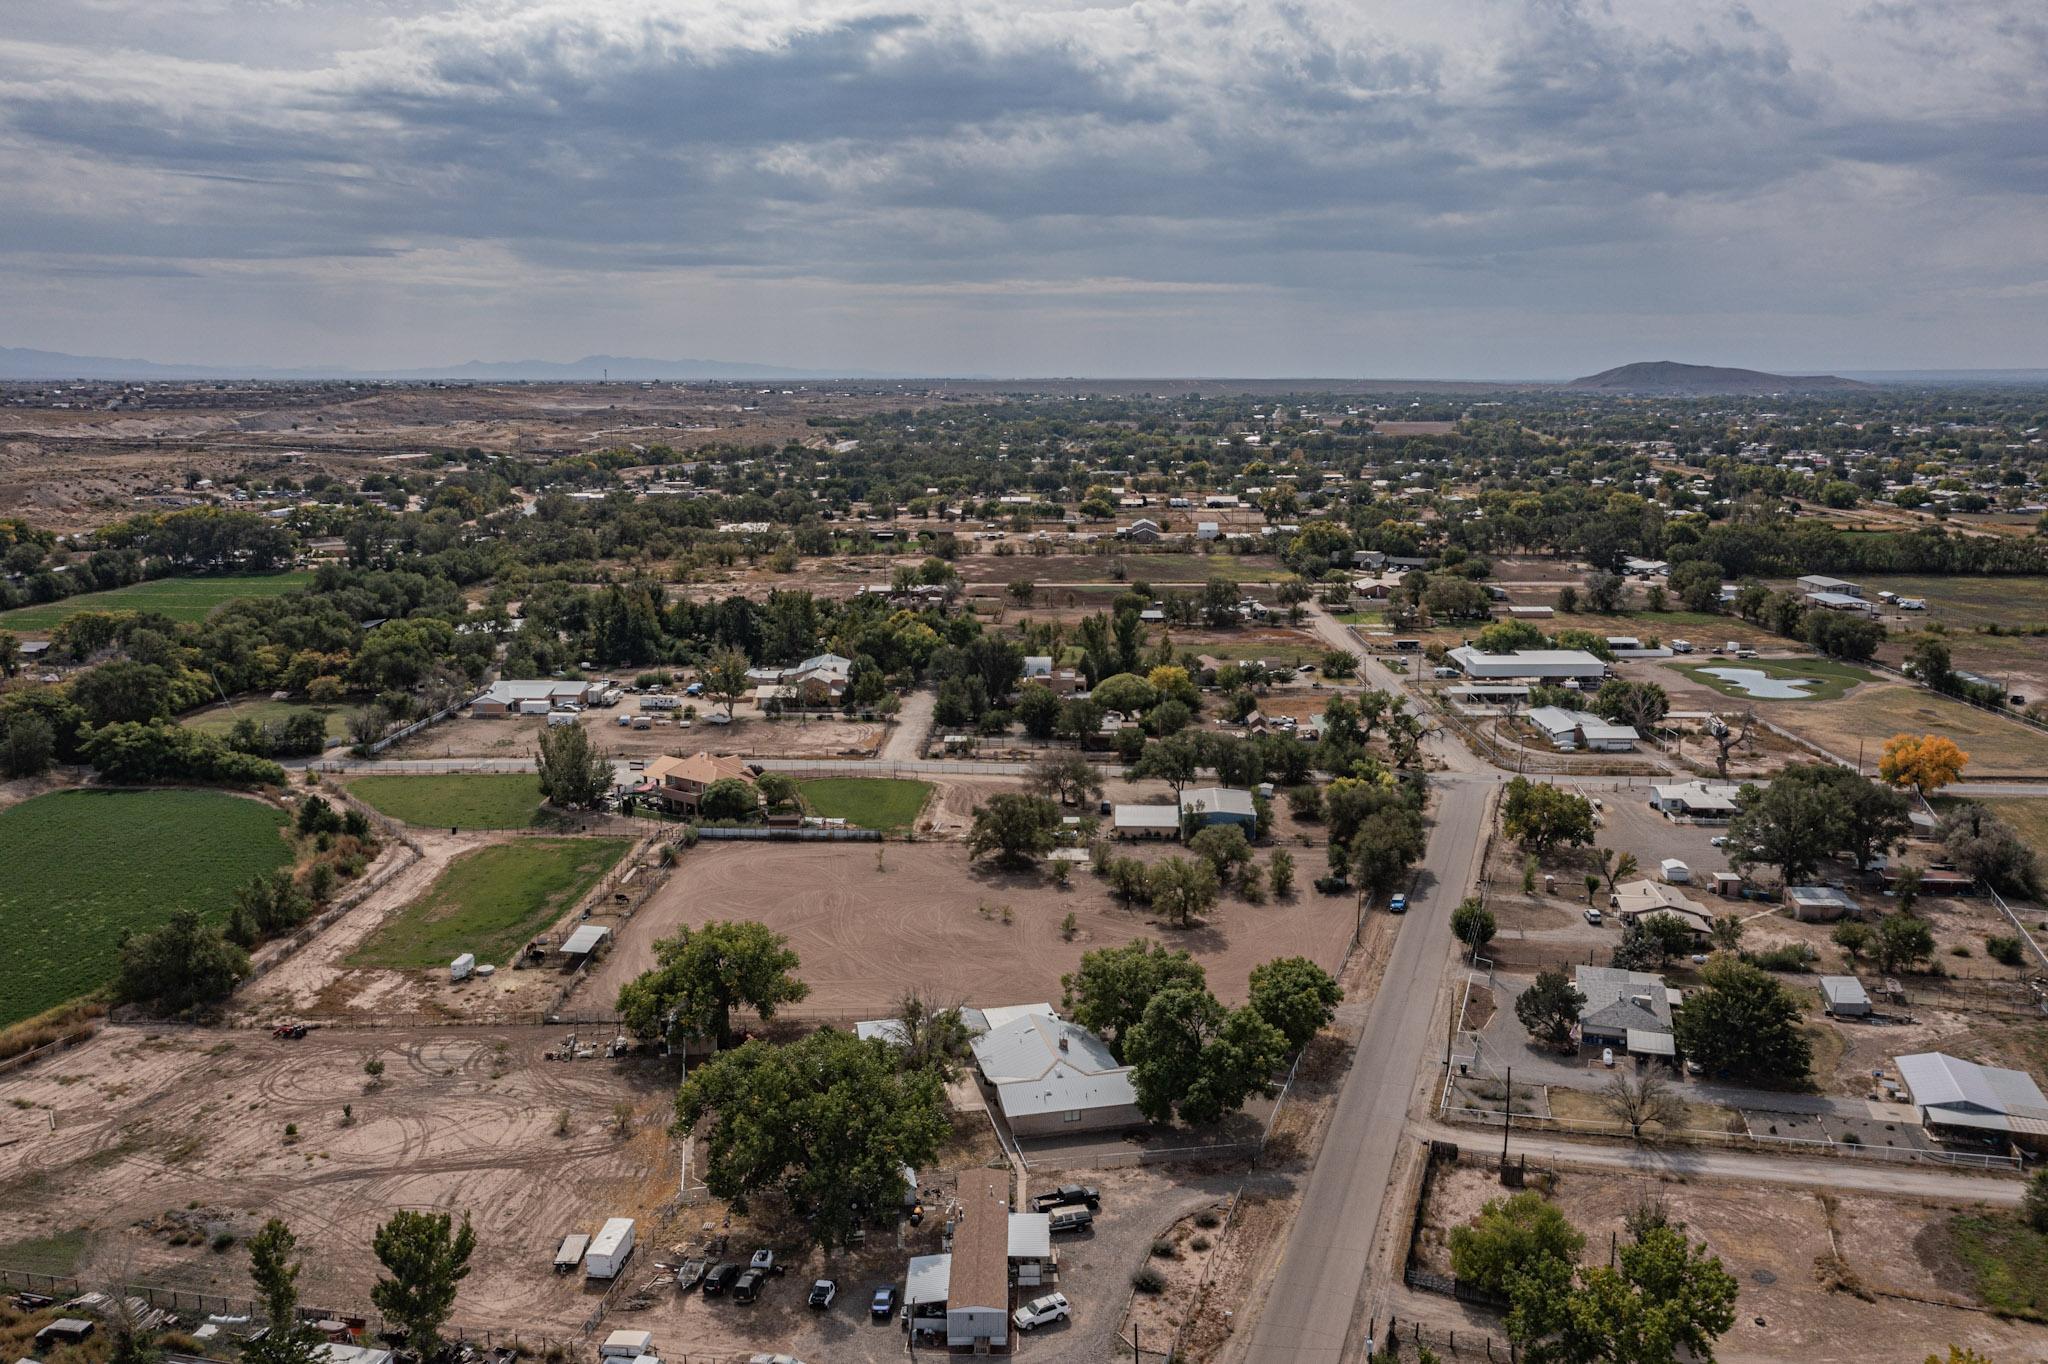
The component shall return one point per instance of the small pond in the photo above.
(1760, 684)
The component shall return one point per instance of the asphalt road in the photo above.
(1321, 1278)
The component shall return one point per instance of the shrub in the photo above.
(1164, 1250)
(2005, 951)
(1149, 1280)
(222, 1240)
(1207, 1220)
(1198, 1243)
(1796, 956)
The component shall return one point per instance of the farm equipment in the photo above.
(290, 1030)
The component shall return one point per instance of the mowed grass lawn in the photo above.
(1997, 747)
(264, 711)
(884, 803)
(178, 598)
(491, 902)
(1831, 680)
(79, 867)
(473, 801)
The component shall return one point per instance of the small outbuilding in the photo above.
(1819, 904)
(1145, 821)
(1220, 805)
(1844, 997)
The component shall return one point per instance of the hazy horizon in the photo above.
(1465, 190)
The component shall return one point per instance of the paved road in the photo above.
(1844, 1173)
(1322, 1272)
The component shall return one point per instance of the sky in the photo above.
(1343, 188)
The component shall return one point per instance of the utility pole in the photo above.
(1507, 1118)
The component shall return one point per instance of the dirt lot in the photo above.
(931, 921)
(1769, 1238)
(149, 1121)
(750, 733)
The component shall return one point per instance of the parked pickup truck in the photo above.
(1086, 1194)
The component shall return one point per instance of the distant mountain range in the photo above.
(49, 364)
(1671, 379)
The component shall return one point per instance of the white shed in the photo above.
(1844, 996)
(1675, 871)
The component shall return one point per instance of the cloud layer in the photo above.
(1455, 187)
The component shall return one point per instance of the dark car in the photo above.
(883, 1305)
(718, 1279)
(1071, 1217)
(1087, 1195)
(747, 1286)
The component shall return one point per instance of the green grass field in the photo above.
(57, 1253)
(79, 867)
(178, 598)
(1832, 679)
(264, 711)
(868, 802)
(2028, 815)
(2010, 1261)
(473, 801)
(491, 902)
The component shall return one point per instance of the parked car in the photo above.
(822, 1293)
(1074, 1217)
(1719, 840)
(1039, 1311)
(747, 1286)
(1085, 1194)
(1593, 917)
(773, 1359)
(882, 1305)
(718, 1279)
(1681, 646)
(763, 1260)
(1398, 905)
(1607, 1057)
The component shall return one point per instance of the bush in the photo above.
(1198, 1244)
(222, 1240)
(1207, 1220)
(2005, 951)
(1796, 956)
(1149, 1280)
(1164, 1250)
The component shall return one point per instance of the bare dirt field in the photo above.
(149, 1121)
(1770, 1239)
(928, 920)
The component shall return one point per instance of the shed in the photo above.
(1675, 871)
(1819, 904)
(1727, 883)
(626, 1345)
(1843, 996)
(585, 940)
(1145, 821)
(1220, 805)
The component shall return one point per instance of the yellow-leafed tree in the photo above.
(1925, 762)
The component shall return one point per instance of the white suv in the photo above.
(1039, 1311)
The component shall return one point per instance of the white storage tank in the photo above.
(609, 1251)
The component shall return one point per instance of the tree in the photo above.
(1789, 825)
(729, 798)
(1386, 848)
(1067, 777)
(1841, 635)
(1013, 828)
(1109, 992)
(427, 1258)
(1472, 924)
(1727, 932)
(1925, 762)
(1899, 941)
(1296, 996)
(1540, 816)
(1174, 760)
(27, 745)
(1667, 1299)
(929, 1037)
(184, 965)
(724, 676)
(827, 1122)
(1339, 664)
(1728, 738)
(1929, 661)
(1642, 705)
(701, 975)
(1191, 1056)
(1988, 848)
(1511, 1235)
(1650, 940)
(1744, 1023)
(1182, 887)
(1507, 636)
(1697, 582)
(1635, 1104)
(1282, 872)
(776, 789)
(274, 1267)
(2034, 1202)
(1223, 846)
(1616, 868)
(10, 653)
(1038, 710)
(1549, 1008)
(1022, 590)
(1853, 938)
(574, 773)
(1126, 693)
(1906, 887)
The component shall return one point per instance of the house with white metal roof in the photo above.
(1050, 1076)
(1541, 664)
(1627, 1010)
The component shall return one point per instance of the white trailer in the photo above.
(535, 707)
(609, 1251)
(558, 718)
(662, 702)
(462, 967)
(570, 1253)
(626, 1345)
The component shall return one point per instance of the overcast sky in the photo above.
(1454, 188)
